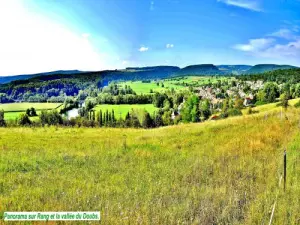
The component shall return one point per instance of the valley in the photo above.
(200, 148)
(211, 172)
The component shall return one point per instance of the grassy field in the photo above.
(271, 106)
(200, 80)
(13, 110)
(176, 83)
(217, 172)
(121, 110)
(17, 107)
(144, 88)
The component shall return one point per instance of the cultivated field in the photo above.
(217, 172)
(122, 110)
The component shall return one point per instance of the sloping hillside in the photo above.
(261, 68)
(234, 69)
(131, 73)
(153, 72)
(202, 69)
(7, 79)
(217, 172)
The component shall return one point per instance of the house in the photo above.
(173, 115)
(248, 101)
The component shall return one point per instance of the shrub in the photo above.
(260, 103)
(50, 118)
(2, 121)
(297, 105)
(234, 112)
(24, 120)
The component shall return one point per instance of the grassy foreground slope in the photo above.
(218, 172)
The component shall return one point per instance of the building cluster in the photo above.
(217, 95)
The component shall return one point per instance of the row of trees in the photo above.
(134, 118)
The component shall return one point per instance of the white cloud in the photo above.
(246, 4)
(255, 45)
(268, 48)
(124, 62)
(284, 33)
(169, 45)
(32, 43)
(143, 49)
(290, 49)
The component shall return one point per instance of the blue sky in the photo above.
(40, 35)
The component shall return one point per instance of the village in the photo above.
(245, 90)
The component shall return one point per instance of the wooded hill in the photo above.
(149, 73)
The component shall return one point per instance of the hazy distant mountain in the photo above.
(201, 69)
(7, 79)
(139, 73)
(148, 73)
(103, 77)
(154, 68)
(234, 69)
(261, 68)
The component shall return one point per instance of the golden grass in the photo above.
(217, 172)
(271, 106)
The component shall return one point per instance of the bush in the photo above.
(260, 103)
(177, 119)
(2, 121)
(24, 120)
(297, 105)
(234, 112)
(251, 111)
(50, 117)
(223, 115)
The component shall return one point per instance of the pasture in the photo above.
(19, 107)
(216, 172)
(177, 83)
(144, 88)
(121, 110)
(13, 110)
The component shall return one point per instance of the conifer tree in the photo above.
(100, 118)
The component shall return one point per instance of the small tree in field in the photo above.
(147, 122)
(2, 121)
(284, 100)
(24, 120)
(100, 119)
(28, 112)
(33, 112)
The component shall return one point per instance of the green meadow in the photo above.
(13, 110)
(177, 83)
(122, 110)
(144, 88)
(216, 172)
(16, 107)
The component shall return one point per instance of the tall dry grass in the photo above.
(218, 172)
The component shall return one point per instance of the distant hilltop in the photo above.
(157, 72)
(7, 79)
(261, 68)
